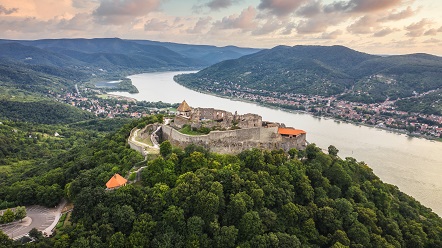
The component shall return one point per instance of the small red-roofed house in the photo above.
(290, 132)
(116, 181)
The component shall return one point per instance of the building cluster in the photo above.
(111, 107)
(383, 115)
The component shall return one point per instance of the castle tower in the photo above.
(184, 109)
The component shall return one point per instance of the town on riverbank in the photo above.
(382, 115)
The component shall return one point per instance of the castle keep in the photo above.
(231, 133)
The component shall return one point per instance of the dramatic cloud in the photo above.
(119, 12)
(331, 35)
(385, 32)
(281, 7)
(245, 21)
(5, 11)
(156, 25)
(200, 26)
(418, 28)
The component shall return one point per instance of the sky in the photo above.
(371, 26)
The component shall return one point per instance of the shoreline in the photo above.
(392, 130)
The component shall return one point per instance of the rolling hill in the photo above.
(326, 71)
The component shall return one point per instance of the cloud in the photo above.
(418, 28)
(431, 32)
(83, 4)
(362, 6)
(5, 11)
(433, 40)
(309, 10)
(119, 12)
(79, 22)
(219, 4)
(331, 35)
(214, 5)
(400, 15)
(288, 28)
(280, 7)
(364, 25)
(245, 21)
(384, 32)
(200, 26)
(156, 24)
(270, 26)
(320, 23)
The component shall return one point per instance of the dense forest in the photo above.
(324, 71)
(195, 198)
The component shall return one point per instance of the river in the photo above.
(412, 164)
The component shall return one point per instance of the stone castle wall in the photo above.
(234, 141)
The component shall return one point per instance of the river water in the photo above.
(412, 164)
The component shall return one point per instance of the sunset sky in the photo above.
(372, 26)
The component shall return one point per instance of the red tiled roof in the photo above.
(290, 131)
(116, 181)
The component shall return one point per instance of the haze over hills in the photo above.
(114, 52)
(326, 71)
(53, 64)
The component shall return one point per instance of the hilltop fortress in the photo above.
(229, 133)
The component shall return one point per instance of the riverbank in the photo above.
(314, 114)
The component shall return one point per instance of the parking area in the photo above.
(37, 216)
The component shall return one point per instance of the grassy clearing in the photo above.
(188, 130)
(145, 141)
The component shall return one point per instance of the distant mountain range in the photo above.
(326, 71)
(52, 64)
(111, 53)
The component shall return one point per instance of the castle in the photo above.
(231, 133)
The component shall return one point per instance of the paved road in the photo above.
(42, 218)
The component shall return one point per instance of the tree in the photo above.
(333, 151)
(165, 149)
(20, 213)
(293, 152)
(250, 225)
(117, 240)
(36, 234)
(8, 216)
(226, 237)
(5, 241)
(312, 150)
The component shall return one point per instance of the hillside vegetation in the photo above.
(325, 71)
(192, 197)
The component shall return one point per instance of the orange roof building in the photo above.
(116, 181)
(290, 132)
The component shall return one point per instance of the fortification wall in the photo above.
(180, 121)
(233, 141)
(133, 145)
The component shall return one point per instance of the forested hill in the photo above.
(326, 71)
(114, 53)
(195, 198)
